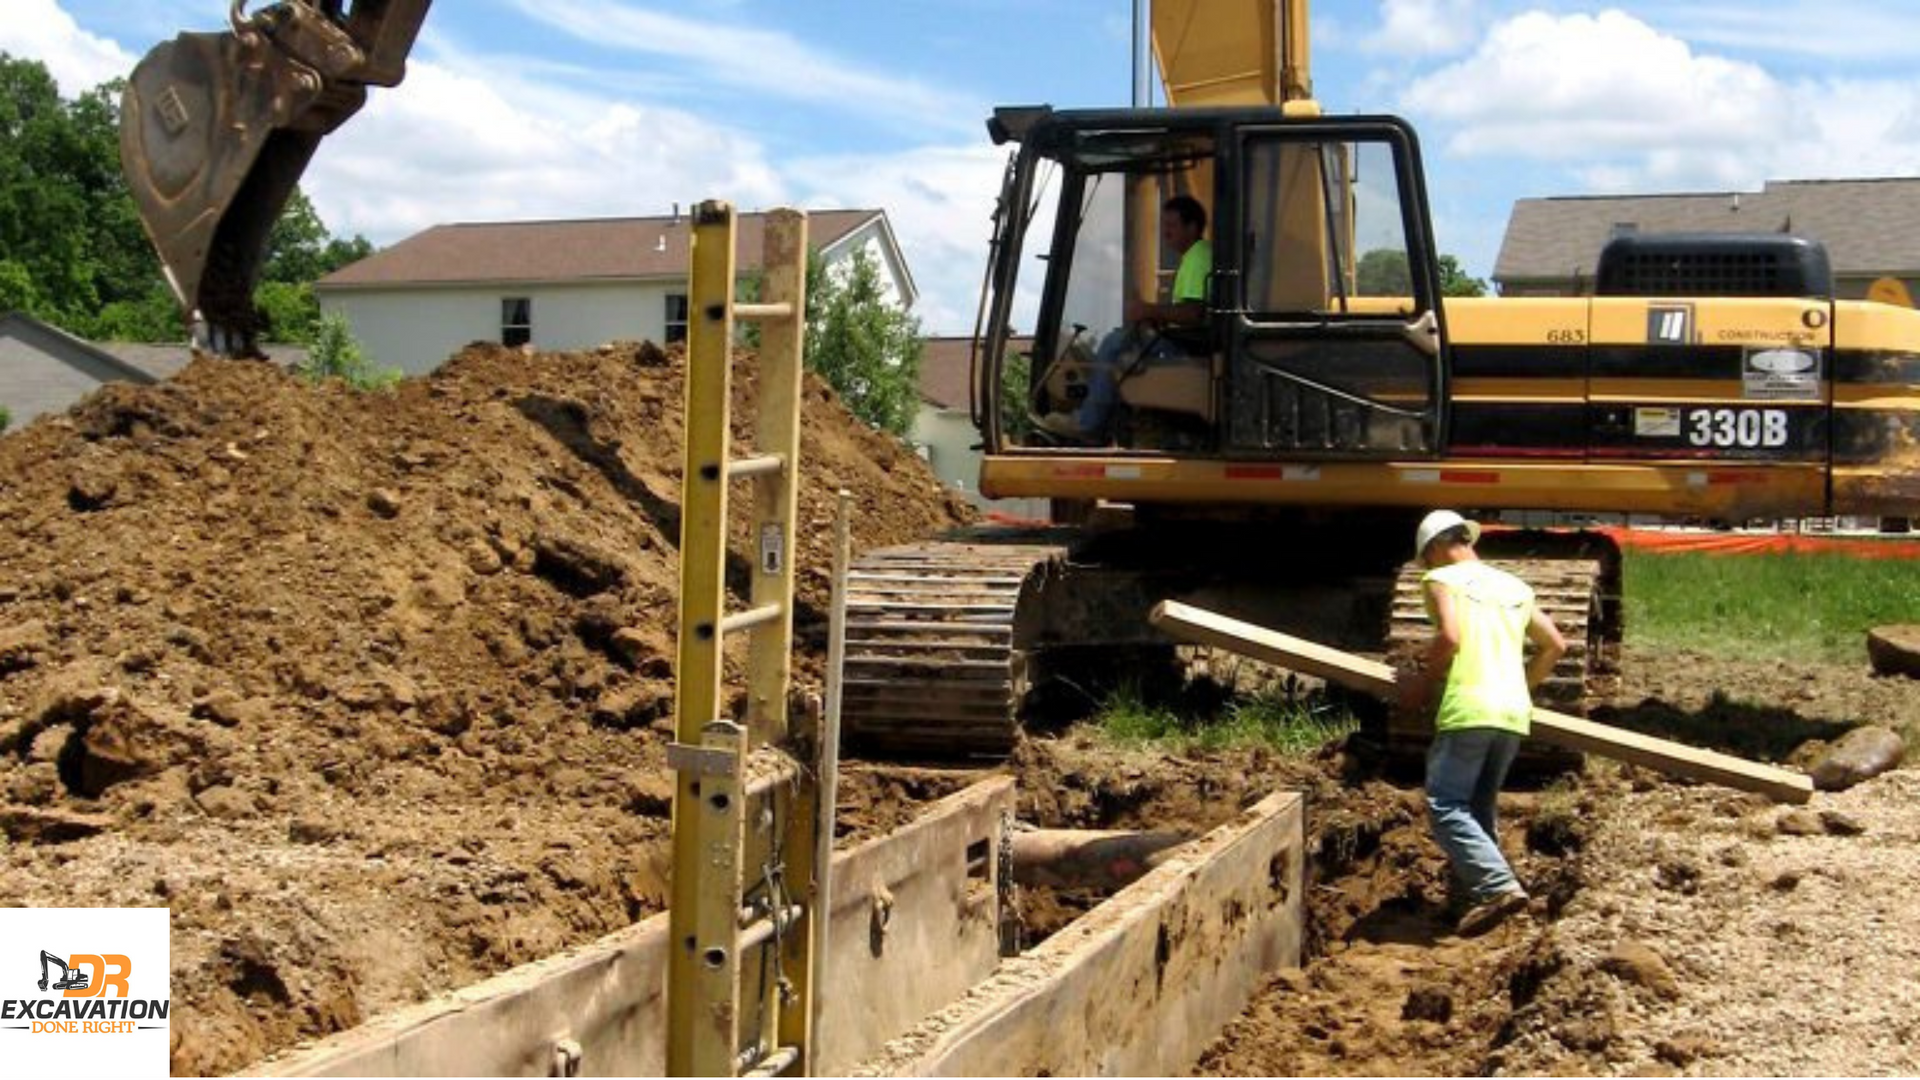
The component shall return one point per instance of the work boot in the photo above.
(1491, 912)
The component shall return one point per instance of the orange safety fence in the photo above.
(1668, 542)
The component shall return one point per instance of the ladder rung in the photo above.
(762, 465)
(750, 618)
(763, 311)
(756, 933)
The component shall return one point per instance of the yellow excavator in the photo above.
(1271, 462)
(1268, 462)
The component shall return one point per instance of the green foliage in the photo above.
(1016, 394)
(336, 355)
(1457, 282)
(292, 311)
(864, 346)
(1814, 606)
(72, 250)
(1383, 272)
(1272, 718)
(6, 418)
(154, 316)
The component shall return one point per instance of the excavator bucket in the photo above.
(216, 129)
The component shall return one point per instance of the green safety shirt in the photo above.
(1190, 281)
(1487, 684)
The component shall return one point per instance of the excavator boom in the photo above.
(1232, 52)
(216, 129)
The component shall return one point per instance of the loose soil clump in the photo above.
(372, 690)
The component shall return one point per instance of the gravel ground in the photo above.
(1760, 952)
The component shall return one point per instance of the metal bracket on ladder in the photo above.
(740, 977)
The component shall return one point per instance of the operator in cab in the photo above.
(1183, 227)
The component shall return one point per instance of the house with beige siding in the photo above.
(560, 284)
(1870, 228)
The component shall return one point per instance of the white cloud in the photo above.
(1553, 87)
(939, 201)
(451, 146)
(79, 61)
(1835, 30)
(1623, 107)
(1425, 27)
(765, 62)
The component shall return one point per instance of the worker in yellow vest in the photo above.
(1482, 618)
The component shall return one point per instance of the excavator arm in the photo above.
(69, 979)
(1232, 52)
(216, 128)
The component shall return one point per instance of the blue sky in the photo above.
(591, 108)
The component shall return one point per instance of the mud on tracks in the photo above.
(371, 690)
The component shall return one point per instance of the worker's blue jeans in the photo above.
(1119, 349)
(1465, 770)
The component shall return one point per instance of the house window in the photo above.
(676, 317)
(516, 320)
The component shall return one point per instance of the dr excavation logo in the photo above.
(93, 999)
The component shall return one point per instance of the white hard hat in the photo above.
(1438, 522)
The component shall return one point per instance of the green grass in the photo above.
(1811, 606)
(1272, 719)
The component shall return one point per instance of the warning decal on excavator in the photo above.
(85, 991)
(1781, 374)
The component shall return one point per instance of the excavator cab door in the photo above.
(1337, 345)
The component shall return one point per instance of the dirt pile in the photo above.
(371, 690)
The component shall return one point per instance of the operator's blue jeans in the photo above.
(1117, 350)
(1465, 770)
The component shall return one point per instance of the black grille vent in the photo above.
(1714, 264)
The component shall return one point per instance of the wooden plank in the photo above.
(1200, 626)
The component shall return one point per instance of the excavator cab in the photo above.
(216, 128)
(1324, 338)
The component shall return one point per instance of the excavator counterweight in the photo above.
(216, 129)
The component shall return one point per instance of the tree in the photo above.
(863, 345)
(72, 249)
(1456, 282)
(336, 355)
(300, 252)
(6, 418)
(1383, 272)
(1016, 395)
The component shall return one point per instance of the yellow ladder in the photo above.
(745, 813)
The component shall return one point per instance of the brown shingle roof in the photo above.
(608, 248)
(1869, 227)
(945, 366)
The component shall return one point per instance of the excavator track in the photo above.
(934, 660)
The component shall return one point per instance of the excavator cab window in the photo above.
(1323, 338)
(1105, 247)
